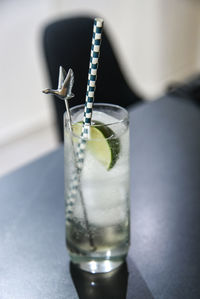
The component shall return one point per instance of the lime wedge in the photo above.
(104, 145)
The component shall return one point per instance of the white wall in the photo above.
(23, 108)
(179, 37)
(158, 41)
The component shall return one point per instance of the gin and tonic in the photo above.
(97, 193)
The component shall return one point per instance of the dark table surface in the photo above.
(164, 258)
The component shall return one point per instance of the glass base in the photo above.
(99, 266)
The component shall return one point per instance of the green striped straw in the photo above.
(91, 85)
(87, 118)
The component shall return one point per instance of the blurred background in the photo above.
(157, 43)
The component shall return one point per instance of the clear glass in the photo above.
(97, 194)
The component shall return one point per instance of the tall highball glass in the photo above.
(97, 188)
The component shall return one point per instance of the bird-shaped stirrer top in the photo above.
(64, 90)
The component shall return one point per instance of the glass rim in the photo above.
(124, 119)
(125, 111)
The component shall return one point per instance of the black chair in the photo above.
(188, 90)
(67, 43)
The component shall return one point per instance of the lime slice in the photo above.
(104, 145)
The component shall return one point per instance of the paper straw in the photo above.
(91, 85)
(87, 118)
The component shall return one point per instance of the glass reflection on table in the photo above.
(103, 285)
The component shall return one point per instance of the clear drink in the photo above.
(97, 192)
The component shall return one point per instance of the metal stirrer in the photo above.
(64, 92)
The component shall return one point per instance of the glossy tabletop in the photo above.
(164, 258)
